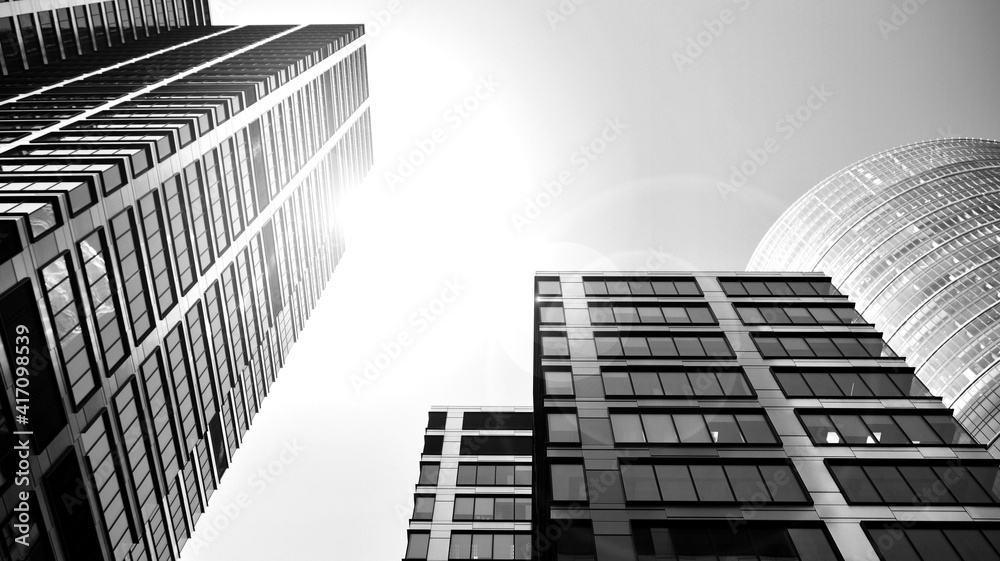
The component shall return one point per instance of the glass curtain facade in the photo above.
(166, 227)
(766, 421)
(912, 234)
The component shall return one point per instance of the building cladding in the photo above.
(913, 234)
(167, 198)
(724, 416)
(473, 496)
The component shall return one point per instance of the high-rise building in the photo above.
(167, 198)
(720, 416)
(913, 235)
(473, 497)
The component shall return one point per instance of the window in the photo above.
(787, 345)
(481, 474)
(416, 545)
(678, 383)
(498, 420)
(101, 457)
(692, 428)
(651, 314)
(723, 540)
(613, 345)
(499, 507)
(713, 482)
(65, 310)
(649, 286)
(563, 428)
(423, 507)
(429, 474)
(794, 314)
(151, 216)
(437, 419)
(432, 445)
(551, 314)
(103, 301)
(759, 286)
(568, 483)
(860, 383)
(489, 546)
(495, 445)
(548, 287)
(558, 382)
(904, 483)
(132, 273)
(194, 189)
(555, 346)
(176, 203)
(924, 541)
(887, 429)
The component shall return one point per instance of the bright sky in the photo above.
(637, 131)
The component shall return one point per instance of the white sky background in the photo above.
(651, 200)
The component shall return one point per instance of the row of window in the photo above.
(658, 346)
(885, 428)
(704, 482)
(492, 508)
(777, 287)
(692, 428)
(651, 314)
(785, 314)
(481, 445)
(625, 286)
(480, 474)
(922, 483)
(690, 383)
(849, 383)
(480, 545)
(821, 346)
(895, 542)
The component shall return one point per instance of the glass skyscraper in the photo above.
(167, 224)
(913, 234)
(727, 416)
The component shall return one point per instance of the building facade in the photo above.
(167, 224)
(741, 416)
(913, 234)
(473, 496)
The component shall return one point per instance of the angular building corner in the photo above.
(167, 225)
(913, 235)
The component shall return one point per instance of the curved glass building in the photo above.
(913, 236)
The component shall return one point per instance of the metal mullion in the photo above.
(20, 40)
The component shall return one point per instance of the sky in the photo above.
(516, 136)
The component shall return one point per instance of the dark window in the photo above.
(658, 286)
(892, 428)
(918, 483)
(837, 346)
(416, 545)
(423, 507)
(568, 482)
(758, 286)
(436, 419)
(860, 383)
(798, 314)
(558, 382)
(103, 300)
(429, 474)
(692, 428)
(133, 275)
(481, 474)
(496, 445)
(432, 445)
(156, 246)
(563, 428)
(612, 345)
(481, 545)
(651, 314)
(500, 507)
(709, 383)
(499, 420)
(934, 541)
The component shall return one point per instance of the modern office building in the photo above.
(721, 416)
(473, 496)
(167, 197)
(913, 235)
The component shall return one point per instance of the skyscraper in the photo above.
(913, 234)
(167, 224)
(473, 497)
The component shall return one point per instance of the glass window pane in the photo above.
(917, 430)
(601, 314)
(692, 429)
(885, 430)
(522, 508)
(618, 288)
(416, 547)
(594, 288)
(909, 384)
(659, 428)
(482, 546)
(851, 384)
(522, 546)
(850, 347)
(675, 481)
(562, 428)
(558, 382)
(892, 546)
(504, 508)
(949, 430)
(650, 315)
(549, 288)
(881, 384)
(824, 315)
(664, 288)
(503, 546)
(710, 481)
(700, 315)
(640, 287)
(716, 346)
(796, 346)
(971, 545)
(855, 484)
(461, 546)
(675, 383)
(963, 485)
(635, 346)
(793, 384)
(617, 383)
(769, 347)
(505, 475)
(689, 346)
(800, 316)
(781, 482)
(522, 475)
(568, 483)
(608, 346)
(812, 544)
(662, 346)
(423, 508)
(852, 429)
(646, 383)
(821, 429)
(555, 346)
(823, 346)
(640, 485)
(627, 428)
(747, 484)
(772, 543)
(925, 482)
(750, 315)
(625, 314)
(675, 314)
(988, 477)
(756, 288)
(704, 383)
(932, 544)
(466, 474)
(551, 314)
(596, 432)
(486, 475)
(484, 508)
(724, 429)
(733, 384)
(890, 484)
(774, 315)
(755, 429)
(428, 474)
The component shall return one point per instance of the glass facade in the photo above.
(911, 234)
(159, 254)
